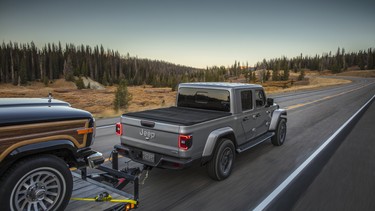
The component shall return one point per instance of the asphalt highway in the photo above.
(347, 181)
(313, 116)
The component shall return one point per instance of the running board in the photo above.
(255, 142)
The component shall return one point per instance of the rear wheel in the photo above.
(37, 183)
(221, 165)
(279, 138)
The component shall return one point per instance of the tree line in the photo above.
(20, 63)
(336, 62)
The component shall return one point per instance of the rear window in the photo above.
(210, 99)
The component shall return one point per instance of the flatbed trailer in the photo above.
(104, 190)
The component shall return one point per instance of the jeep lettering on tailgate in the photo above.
(147, 134)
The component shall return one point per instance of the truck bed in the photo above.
(179, 115)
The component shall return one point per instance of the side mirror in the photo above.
(269, 102)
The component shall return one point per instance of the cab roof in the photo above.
(220, 85)
(27, 102)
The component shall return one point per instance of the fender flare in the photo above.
(212, 139)
(44, 146)
(36, 148)
(276, 115)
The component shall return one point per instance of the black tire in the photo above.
(279, 138)
(41, 182)
(221, 165)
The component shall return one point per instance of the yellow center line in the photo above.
(325, 98)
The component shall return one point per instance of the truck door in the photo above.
(261, 114)
(247, 117)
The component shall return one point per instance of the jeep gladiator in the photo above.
(210, 123)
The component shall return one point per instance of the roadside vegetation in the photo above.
(122, 96)
(107, 83)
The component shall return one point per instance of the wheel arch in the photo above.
(212, 140)
(63, 149)
(276, 115)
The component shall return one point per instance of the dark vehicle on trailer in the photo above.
(40, 139)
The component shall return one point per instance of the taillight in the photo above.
(118, 128)
(185, 141)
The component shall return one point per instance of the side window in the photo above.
(246, 100)
(260, 99)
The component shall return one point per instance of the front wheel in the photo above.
(279, 138)
(36, 183)
(221, 165)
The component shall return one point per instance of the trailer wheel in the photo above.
(279, 138)
(221, 165)
(37, 183)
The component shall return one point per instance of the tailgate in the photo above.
(150, 135)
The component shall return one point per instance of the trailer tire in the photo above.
(221, 165)
(40, 183)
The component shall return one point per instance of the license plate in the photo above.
(147, 156)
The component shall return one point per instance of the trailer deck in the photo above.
(85, 189)
(104, 188)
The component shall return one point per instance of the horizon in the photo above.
(242, 63)
(195, 34)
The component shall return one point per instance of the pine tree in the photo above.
(370, 60)
(79, 83)
(286, 74)
(268, 75)
(275, 74)
(122, 97)
(301, 76)
(22, 77)
(68, 70)
(254, 77)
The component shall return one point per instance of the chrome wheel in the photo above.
(40, 189)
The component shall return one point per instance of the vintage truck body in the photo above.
(40, 139)
(210, 124)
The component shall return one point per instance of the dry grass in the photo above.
(359, 73)
(313, 82)
(100, 102)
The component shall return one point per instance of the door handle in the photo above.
(256, 115)
(245, 119)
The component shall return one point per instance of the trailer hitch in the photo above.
(115, 180)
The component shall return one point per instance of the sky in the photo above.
(196, 33)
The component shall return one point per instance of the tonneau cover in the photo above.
(179, 115)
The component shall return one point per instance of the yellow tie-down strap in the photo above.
(105, 197)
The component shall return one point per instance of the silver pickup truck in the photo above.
(210, 124)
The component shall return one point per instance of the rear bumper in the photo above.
(161, 161)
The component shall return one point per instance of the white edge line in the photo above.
(106, 126)
(296, 172)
